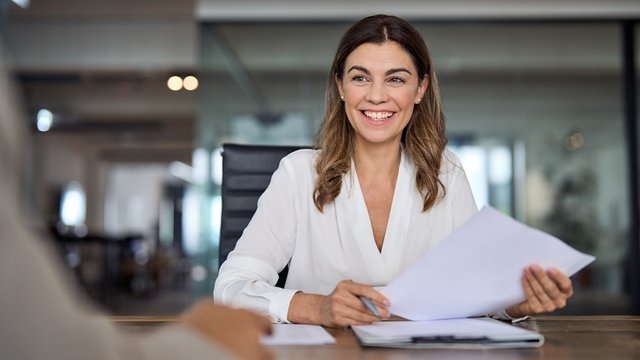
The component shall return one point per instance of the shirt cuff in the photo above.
(280, 306)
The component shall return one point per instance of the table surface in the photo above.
(566, 337)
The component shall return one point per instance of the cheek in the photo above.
(409, 99)
(352, 94)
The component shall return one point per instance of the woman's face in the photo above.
(380, 87)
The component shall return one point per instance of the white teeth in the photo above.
(374, 115)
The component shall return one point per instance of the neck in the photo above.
(380, 160)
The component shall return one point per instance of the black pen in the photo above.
(369, 305)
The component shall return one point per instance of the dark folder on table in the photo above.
(470, 333)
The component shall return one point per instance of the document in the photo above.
(295, 334)
(476, 333)
(477, 270)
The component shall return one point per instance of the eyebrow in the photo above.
(387, 73)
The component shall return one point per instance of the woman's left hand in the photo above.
(546, 291)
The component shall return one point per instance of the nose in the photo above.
(376, 94)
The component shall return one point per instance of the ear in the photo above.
(422, 88)
(339, 85)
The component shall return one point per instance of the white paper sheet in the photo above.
(295, 334)
(477, 269)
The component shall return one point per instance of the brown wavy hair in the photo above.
(423, 138)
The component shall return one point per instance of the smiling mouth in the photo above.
(378, 115)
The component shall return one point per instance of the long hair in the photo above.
(424, 136)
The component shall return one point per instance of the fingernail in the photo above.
(535, 268)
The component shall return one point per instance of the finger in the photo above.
(357, 310)
(345, 308)
(358, 317)
(562, 281)
(535, 284)
(557, 297)
(264, 324)
(369, 292)
(266, 354)
(532, 305)
(344, 316)
(545, 289)
(376, 296)
(356, 289)
(549, 286)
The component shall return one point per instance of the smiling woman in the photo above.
(378, 193)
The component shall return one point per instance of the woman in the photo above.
(380, 192)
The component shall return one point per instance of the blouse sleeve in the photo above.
(247, 278)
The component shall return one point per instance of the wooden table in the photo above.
(566, 337)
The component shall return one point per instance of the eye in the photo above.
(359, 79)
(397, 80)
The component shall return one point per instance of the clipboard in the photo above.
(469, 333)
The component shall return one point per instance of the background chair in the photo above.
(246, 173)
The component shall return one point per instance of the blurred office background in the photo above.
(128, 102)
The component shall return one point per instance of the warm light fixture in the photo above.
(574, 141)
(190, 83)
(174, 83)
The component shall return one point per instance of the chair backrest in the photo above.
(246, 173)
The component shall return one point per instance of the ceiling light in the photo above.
(44, 120)
(574, 141)
(174, 83)
(22, 3)
(190, 83)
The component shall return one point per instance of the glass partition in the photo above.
(533, 109)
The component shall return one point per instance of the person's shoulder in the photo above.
(450, 162)
(302, 156)
(301, 160)
(450, 157)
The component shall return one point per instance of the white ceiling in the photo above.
(251, 10)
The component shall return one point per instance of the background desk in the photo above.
(566, 337)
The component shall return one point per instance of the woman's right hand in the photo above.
(341, 308)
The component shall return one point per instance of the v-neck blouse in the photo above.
(323, 248)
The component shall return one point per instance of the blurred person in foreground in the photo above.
(43, 316)
(380, 191)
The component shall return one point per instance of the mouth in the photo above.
(378, 115)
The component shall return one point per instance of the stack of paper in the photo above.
(456, 333)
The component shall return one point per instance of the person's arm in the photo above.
(247, 278)
(43, 316)
(238, 331)
(340, 308)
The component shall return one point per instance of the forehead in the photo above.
(386, 55)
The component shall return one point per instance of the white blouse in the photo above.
(323, 248)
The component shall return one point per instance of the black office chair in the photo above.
(246, 173)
